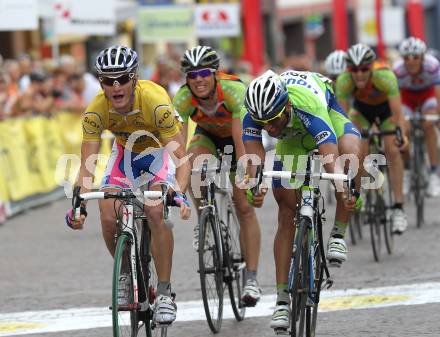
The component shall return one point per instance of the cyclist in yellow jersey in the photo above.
(142, 118)
(213, 100)
(375, 93)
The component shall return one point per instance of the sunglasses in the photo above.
(412, 57)
(362, 69)
(270, 120)
(120, 80)
(201, 72)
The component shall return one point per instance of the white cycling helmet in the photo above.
(360, 54)
(335, 63)
(116, 60)
(199, 57)
(266, 96)
(412, 46)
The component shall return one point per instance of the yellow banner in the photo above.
(21, 169)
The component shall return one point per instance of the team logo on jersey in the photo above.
(322, 136)
(92, 123)
(252, 132)
(304, 119)
(164, 116)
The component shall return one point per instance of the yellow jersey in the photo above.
(152, 112)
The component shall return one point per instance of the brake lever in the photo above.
(76, 202)
(259, 177)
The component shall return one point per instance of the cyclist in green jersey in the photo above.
(373, 88)
(213, 100)
(300, 109)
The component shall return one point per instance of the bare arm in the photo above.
(332, 150)
(236, 136)
(345, 105)
(396, 108)
(253, 147)
(86, 170)
(184, 133)
(437, 96)
(183, 166)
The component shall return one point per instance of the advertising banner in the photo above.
(85, 17)
(217, 20)
(165, 24)
(18, 15)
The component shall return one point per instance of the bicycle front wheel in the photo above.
(387, 225)
(211, 269)
(298, 276)
(236, 265)
(374, 221)
(419, 183)
(124, 315)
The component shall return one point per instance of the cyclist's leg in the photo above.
(430, 108)
(286, 198)
(250, 235)
(160, 171)
(395, 162)
(361, 123)
(201, 147)
(350, 148)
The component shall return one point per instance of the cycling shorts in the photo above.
(423, 99)
(127, 169)
(366, 115)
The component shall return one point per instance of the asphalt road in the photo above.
(46, 267)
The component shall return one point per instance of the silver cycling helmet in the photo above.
(335, 63)
(199, 57)
(117, 60)
(266, 96)
(412, 46)
(360, 54)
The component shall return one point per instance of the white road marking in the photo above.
(32, 322)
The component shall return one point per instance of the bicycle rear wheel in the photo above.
(211, 269)
(236, 264)
(124, 315)
(298, 281)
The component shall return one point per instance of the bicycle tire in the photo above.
(418, 176)
(351, 228)
(235, 263)
(359, 222)
(147, 290)
(122, 326)
(298, 284)
(387, 225)
(374, 224)
(211, 264)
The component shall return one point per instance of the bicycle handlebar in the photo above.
(321, 176)
(120, 195)
(368, 134)
(427, 118)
